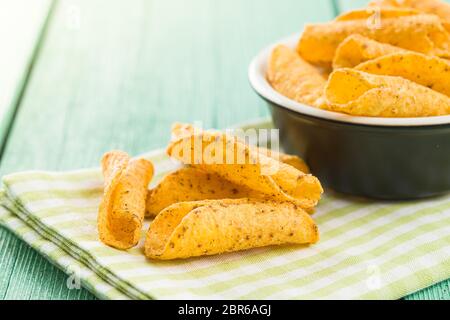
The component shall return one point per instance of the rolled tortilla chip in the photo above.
(192, 184)
(235, 161)
(122, 208)
(294, 78)
(356, 49)
(421, 32)
(190, 229)
(437, 7)
(180, 130)
(377, 12)
(292, 160)
(429, 71)
(363, 94)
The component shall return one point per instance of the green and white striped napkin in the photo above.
(77, 271)
(368, 250)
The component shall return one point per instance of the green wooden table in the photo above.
(84, 77)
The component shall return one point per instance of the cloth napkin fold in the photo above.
(77, 271)
(368, 250)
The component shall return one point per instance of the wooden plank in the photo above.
(21, 26)
(33, 277)
(117, 77)
(345, 5)
(21, 23)
(440, 290)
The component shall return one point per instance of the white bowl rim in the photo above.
(257, 77)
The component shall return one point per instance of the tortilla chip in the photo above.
(190, 229)
(384, 13)
(429, 71)
(294, 78)
(356, 49)
(292, 160)
(192, 184)
(180, 130)
(421, 32)
(122, 208)
(437, 7)
(363, 94)
(235, 161)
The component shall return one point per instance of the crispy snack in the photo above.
(376, 13)
(190, 229)
(192, 184)
(363, 94)
(122, 208)
(437, 7)
(235, 161)
(294, 78)
(429, 71)
(292, 160)
(419, 32)
(180, 130)
(356, 49)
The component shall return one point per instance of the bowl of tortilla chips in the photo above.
(365, 99)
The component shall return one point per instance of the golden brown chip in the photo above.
(437, 7)
(421, 32)
(292, 160)
(192, 184)
(377, 13)
(190, 229)
(356, 49)
(235, 161)
(122, 208)
(294, 78)
(429, 71)
(363, 94)
(180, 130)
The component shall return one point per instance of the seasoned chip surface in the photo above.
(437, 7)
(420, 32)
(190, 229)
(429, 71)
(122, 208)
(193, 184)
(356, 49)
(294, 78)
(235, 161)
(363, 94)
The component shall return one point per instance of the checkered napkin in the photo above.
(368, 250)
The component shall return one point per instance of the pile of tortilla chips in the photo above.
(388, 60)
(227, 196)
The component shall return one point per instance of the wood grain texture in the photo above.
(117, 77)
(438, 291)
(21, 25)
(116, 74)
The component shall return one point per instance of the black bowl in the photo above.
(383, 158)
